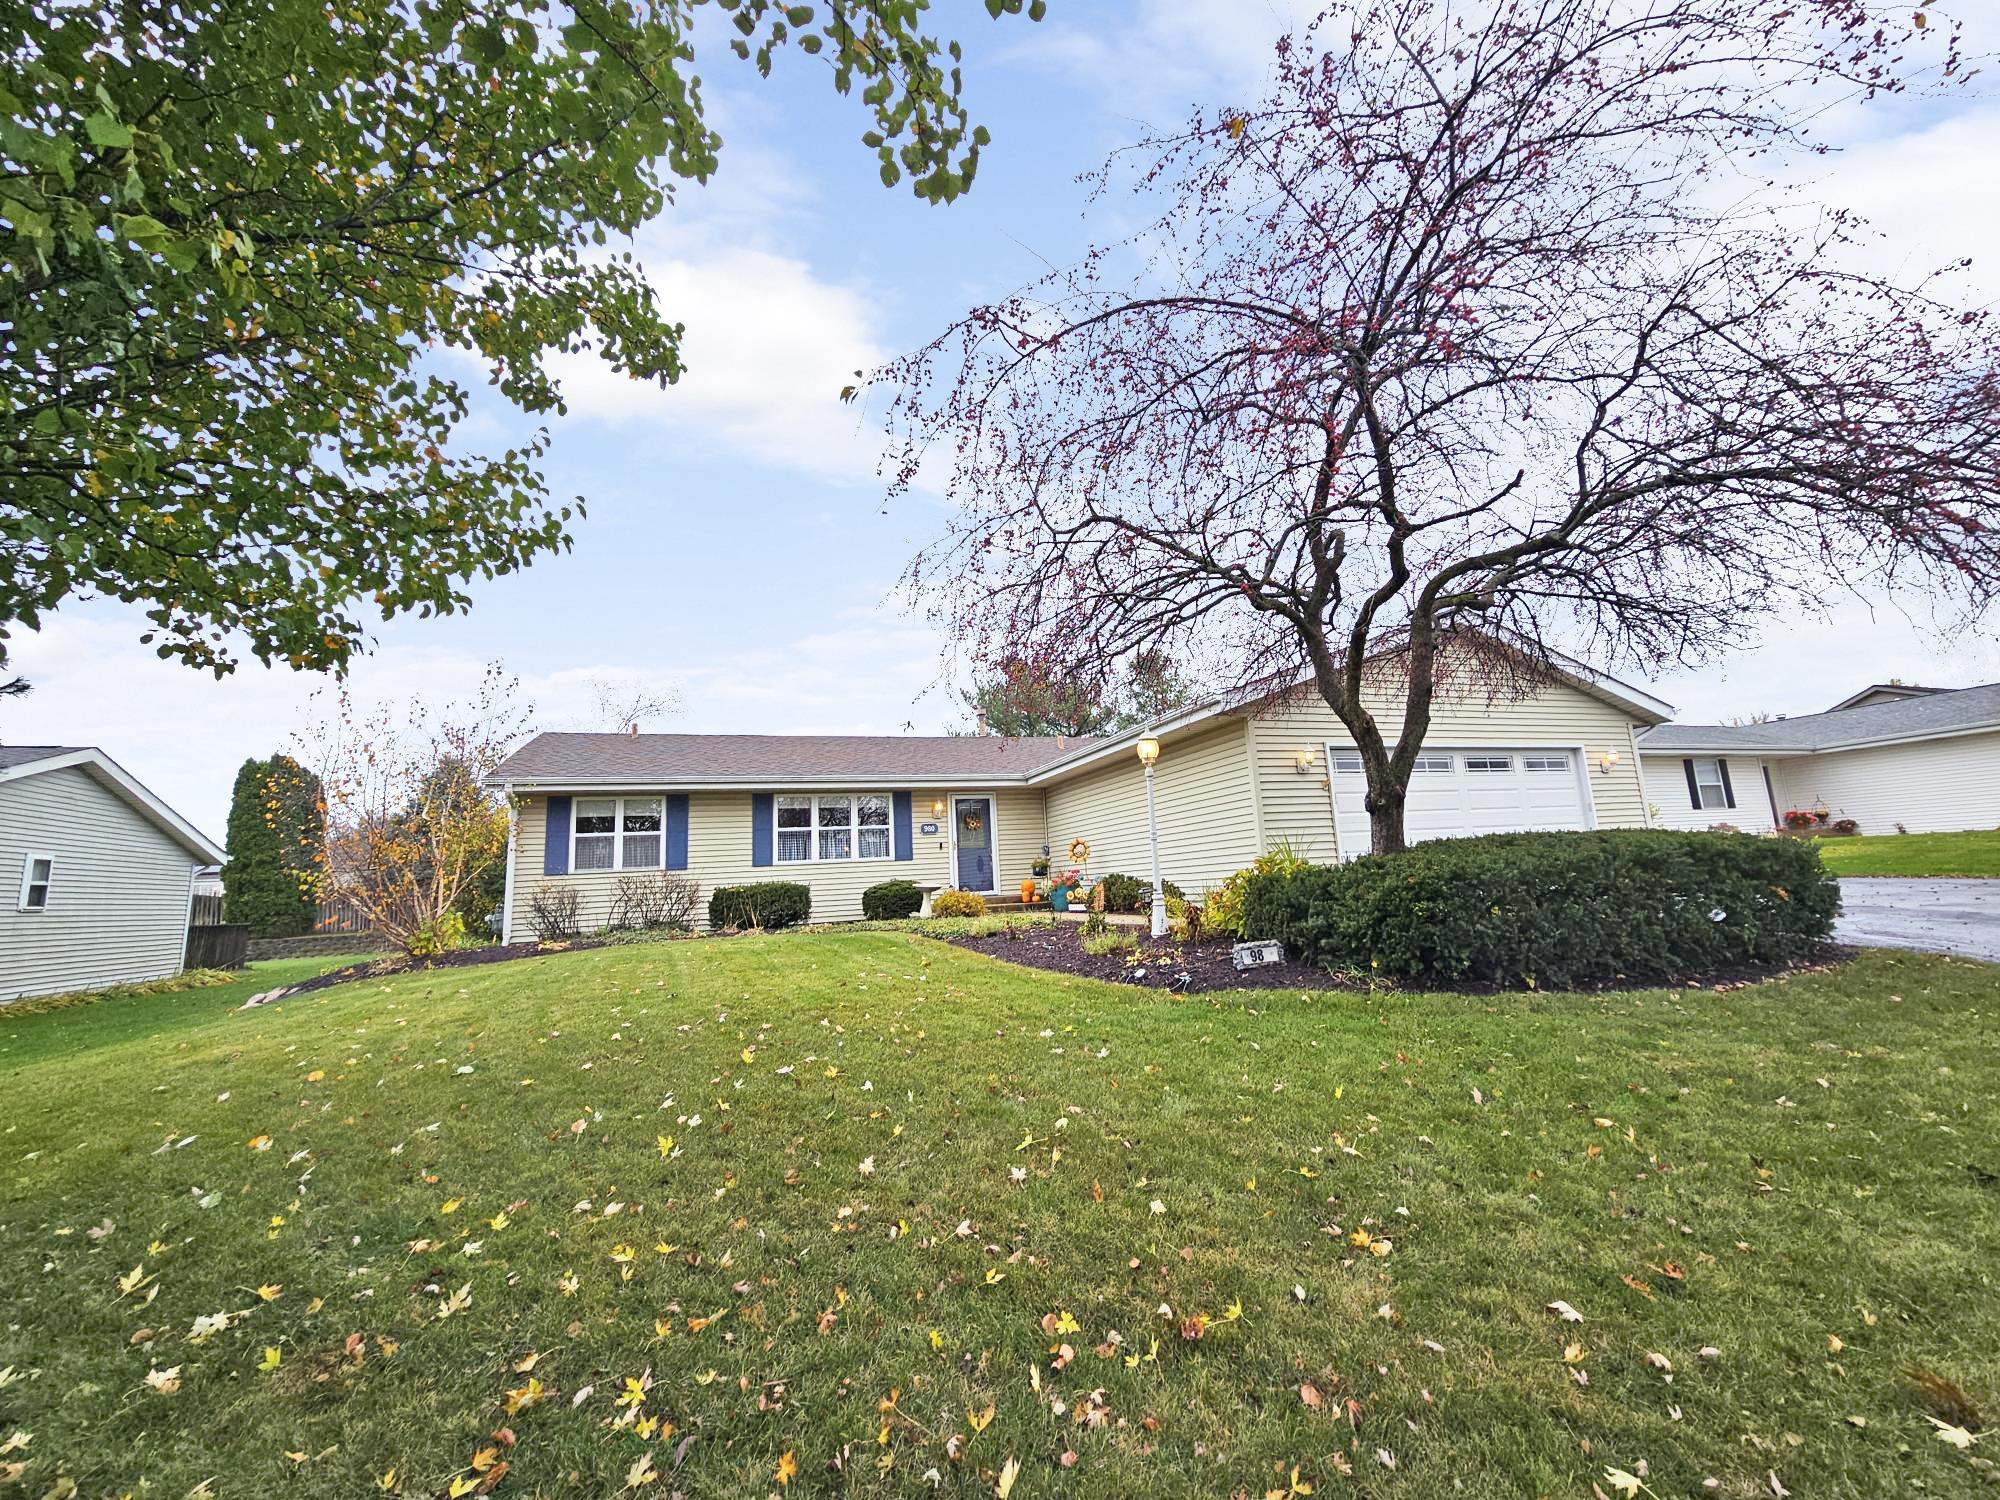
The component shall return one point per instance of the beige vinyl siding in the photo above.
(118, 904)
(1297, 807)
(1932, 786)
(1207, 813)
(1667, 792)
(719, 854)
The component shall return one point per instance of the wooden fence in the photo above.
(216, 945)
(330, 916)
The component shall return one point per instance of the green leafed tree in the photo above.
(236, 236)
(277, 819)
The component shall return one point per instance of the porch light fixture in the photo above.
(1149, 751)
(1303, 762)
(937, 807)
(1607, 760)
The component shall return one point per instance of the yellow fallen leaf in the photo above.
(788, 1468)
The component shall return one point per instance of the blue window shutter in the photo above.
(555, 844)
(899, 818)
(760, 828)
(677, 831)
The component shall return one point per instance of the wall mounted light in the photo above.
(1303, 762)
(937, 807)
(1607, 761)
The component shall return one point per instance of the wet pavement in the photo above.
(1937, 916)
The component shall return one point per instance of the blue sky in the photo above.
(738, 549)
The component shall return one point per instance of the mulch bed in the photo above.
(1190, 968)
(1194, 968)
(454, 958)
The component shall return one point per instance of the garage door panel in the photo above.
(1519, 791)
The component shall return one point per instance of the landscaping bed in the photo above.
(1197, 968)
(451, 958)
(1190, 968)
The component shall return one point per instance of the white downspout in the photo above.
(507, 896)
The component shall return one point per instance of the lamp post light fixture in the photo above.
(1149, 751)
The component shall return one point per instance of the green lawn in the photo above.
(840, 1196)
(1973, 853)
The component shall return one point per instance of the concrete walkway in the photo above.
(1937, 916)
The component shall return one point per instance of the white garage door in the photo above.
(1458, 792)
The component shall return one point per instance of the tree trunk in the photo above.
(1385, 824)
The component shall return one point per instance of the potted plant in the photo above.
(1799, 819)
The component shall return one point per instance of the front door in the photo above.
(973, 826)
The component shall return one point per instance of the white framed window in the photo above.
(1489, 763)
(835, 827)
(1546, 761)
(1347, 763)
(618, 833)
(1708, 784)
(38, 873)
(1432, 764)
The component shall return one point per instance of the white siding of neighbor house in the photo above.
(719, 854)
(118, 905)
(1667, 792)
(1297, 808)
(1933, 786)
(1207, 811)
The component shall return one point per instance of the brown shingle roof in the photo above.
(667, 758)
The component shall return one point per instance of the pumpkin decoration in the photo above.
(1028, 892)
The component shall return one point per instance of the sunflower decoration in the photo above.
(1079, 852)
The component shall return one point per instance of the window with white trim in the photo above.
(38, 873)
(1546, 761)
(1489, 763)
(836, 827)
(618, 833)
(1708, 784)
(1432, 763)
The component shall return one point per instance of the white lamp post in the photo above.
(1149, 751)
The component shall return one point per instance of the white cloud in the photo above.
(769, 346)
(1172, 55)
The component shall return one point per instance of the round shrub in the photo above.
(958, 904)
(1128, 893)
(1555, 910)
(1222, 907)
(890, 900)
(769, 904)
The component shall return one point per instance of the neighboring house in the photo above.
(99, 873)
(842, 813)
(1924, 760)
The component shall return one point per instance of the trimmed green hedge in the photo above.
(890, 900)
(767, 903)
(1128, 893)
(1554, 910)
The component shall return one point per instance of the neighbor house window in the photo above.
(844, 827)
(618, 833)
(1708, 784)
(37, 872)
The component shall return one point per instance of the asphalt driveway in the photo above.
(1938, 916)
